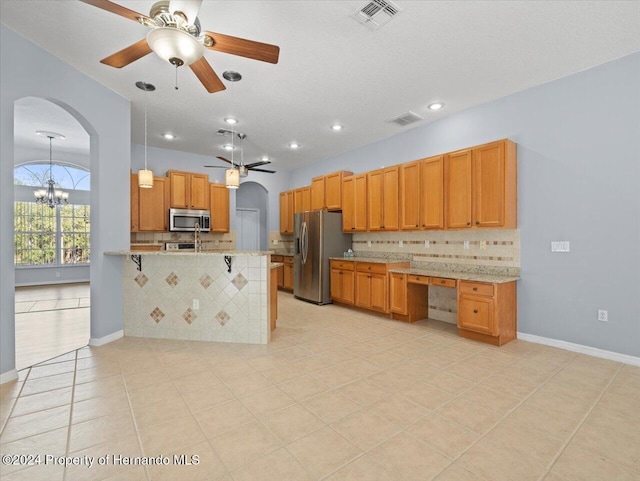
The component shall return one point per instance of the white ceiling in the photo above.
(333, 69)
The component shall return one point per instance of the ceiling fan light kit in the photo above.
(175, 46)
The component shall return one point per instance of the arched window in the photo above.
(45, 236)
(65, 176)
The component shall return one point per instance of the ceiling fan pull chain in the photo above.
(176, 77)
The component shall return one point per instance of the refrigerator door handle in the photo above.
(304, 241)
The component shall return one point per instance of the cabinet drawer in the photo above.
(344, 265)
(276, 258)
(442, 282)
(287, 259)
(374, 268)
(477, 288)
(413, 279)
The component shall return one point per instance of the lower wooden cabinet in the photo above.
(487, 312)
(342, 282)
(287, 282)
(408, 297)
(279, 271)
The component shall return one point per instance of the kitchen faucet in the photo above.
(197, 243)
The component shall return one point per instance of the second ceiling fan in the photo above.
(176, 37)
(243, 169)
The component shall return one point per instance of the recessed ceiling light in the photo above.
(265, 158)
(228, 147)
(336, 127)
(436, 106)
(169, 136)
(294, 145)
(231, 121)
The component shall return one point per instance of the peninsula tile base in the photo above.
(159, 300)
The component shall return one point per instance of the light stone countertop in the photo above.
(188, 253)
(275, 265)
(375, 260)
(465, 276)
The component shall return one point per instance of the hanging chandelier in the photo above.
(51, 196)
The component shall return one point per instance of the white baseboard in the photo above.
(590, 351)
(106, 339)
(8, 376)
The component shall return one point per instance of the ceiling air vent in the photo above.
(405, 119)
(376, 13)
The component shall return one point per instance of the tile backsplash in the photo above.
(210, 241)
(284, 245)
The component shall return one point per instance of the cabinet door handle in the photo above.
(468, 223)
(475, 288)
(475, 311)
(353, 228)
(477, 222)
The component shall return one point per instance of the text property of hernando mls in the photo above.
(105, 460)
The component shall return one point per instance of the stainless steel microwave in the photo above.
(185, 220)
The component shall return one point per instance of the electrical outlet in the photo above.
(196, 304)
(483, 245)
(275, 242)
(400, 243)
(368, 243)
(217, 242)
(603, 315)
(466, 244)
(426, 244)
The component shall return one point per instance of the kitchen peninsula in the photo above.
(203, 296)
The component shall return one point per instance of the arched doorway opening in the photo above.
(252, 207)
(52, 244)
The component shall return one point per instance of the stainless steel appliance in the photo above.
(185, 220)
(318, 235)
(180, 246)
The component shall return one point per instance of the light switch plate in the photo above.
(196, 304)
(368, 243)
(400, 243)
(466, 244)
(426, 244)
(560, 246)
(483, 245)
(275, 242)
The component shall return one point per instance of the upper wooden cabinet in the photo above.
(317, 193)
(153, 209)
(383, 199)
(480, 186)
(219, 207)
(422, 194)
(301, 199)
(188, 190)
(354, 203)
(326, 191)
(286, 212)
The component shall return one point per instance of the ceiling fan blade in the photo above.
(257, 164)
(207, 76)
(127, 55)
(242, 47)
(189, 8)
(216, 166)
(263, 170)
(117, 9)
(225, 160)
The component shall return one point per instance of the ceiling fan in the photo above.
(176, 37)
(244, 169)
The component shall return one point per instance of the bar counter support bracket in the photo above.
(137, 260)
(227, 260)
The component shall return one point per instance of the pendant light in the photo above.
(232, 175)
(51, 196)
(145, 177)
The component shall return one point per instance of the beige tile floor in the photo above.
(338, 395)
(50, 320)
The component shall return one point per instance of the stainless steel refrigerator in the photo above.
(317, 236)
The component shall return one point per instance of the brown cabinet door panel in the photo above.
(410, 194)
(363, 290)
(360, 203)
(153, 214)
(457, 184)
(391, 198)
(317, 193)
(219, 207)
(179, 190)
(476, 314)
(432, 189)
(348, 204)
(135, 204)
(375, 199)
(348, 287)
(199, 191)
(398, 293)
(378, 292)
(489, 185)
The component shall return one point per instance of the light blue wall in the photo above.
(27, 70)
(252, 195)
(578, 180)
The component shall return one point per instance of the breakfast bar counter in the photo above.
(204, 296)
